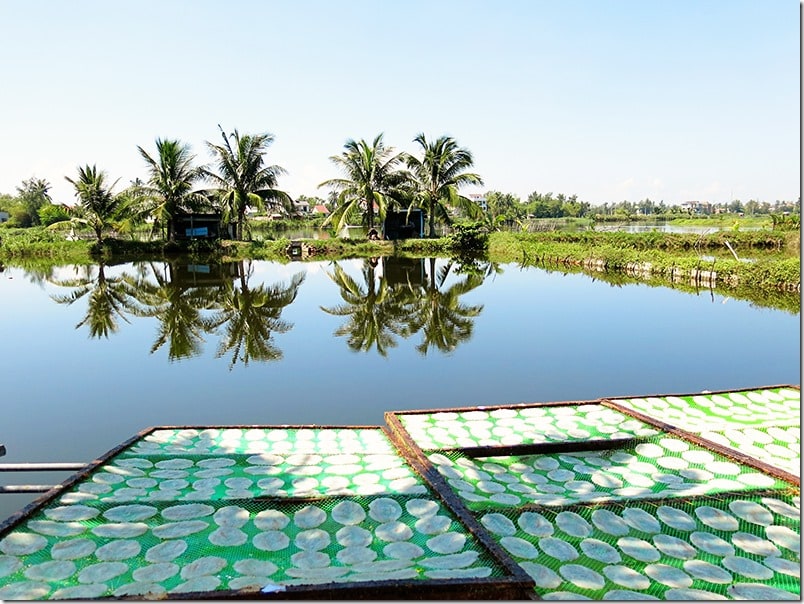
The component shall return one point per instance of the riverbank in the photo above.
(766, 261)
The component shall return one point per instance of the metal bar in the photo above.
(26, 488)
(40, 467)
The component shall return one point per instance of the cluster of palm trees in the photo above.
(239, 179)
(375, 175)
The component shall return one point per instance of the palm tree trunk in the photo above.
(431, 220)
(370, 213)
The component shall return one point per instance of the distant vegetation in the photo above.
(239, 184)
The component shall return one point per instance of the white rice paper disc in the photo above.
(24, 590)
(231, 516)
(187, 511)
(573, 524)
(582, 577)
(310, 560)
(356, 555)
(459, 573)
(641, 520)
(447, 543)
(271, 541)
(781, 565)
(674, 547)
(639, 549)
(52, 570)
(155, 573)
(520, 547)
(676, 518)
(668, 575)
(69, 513)
(755, 545)
(784, 537)
(747, 568)
(79, 592)
(609, 522)
(21, 544)
(309, 517)
(56, 529)
(451, 561)
(433, 525)
(626, 576)
(228, 536)
(150, 591)
(558, 549)
(542, 576)
(600, 551)
(207, 565)
(394, 531)
(402, 550)
(752, 591)
(130, 513)
(271, 520)
(384, 510)
(532, 523)
(692, 594)
(166, 551)
(312, 540)
(422, 508)
(353, 536)
(118, 550)
(255, 567)
(101, 572)
(348, 513)
(705, 571)
(717, 519)
(205, 583)
(711, 544)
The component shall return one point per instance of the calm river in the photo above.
(90, 357)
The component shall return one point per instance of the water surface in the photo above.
(339, 343)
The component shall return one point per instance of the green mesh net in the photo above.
(744, 546)
(104, 549)
(659, 466)
(764, 424)
(516, 426)
(206, 510)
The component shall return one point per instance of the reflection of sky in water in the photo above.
(540, 336)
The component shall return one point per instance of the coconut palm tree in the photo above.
(243, 179)
(171, 180)
(371, 177)
(99, 208)
(438, 176)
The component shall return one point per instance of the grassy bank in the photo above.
(699, 260)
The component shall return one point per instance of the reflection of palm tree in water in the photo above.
(251, 316)
(179, 311)
(108, 299)
(444, 321)
(376, 312)
(402, 307)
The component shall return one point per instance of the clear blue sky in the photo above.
(608, 99)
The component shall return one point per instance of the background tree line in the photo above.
(374, 179)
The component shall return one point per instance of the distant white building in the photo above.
(479, 199)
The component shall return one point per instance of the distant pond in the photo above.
(93, 355)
